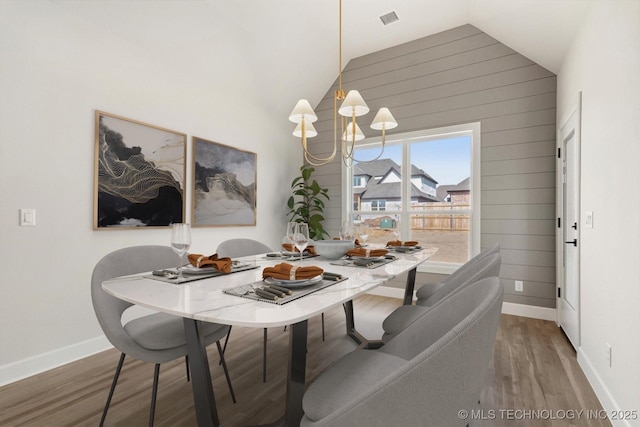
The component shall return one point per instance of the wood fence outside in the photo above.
(440, 222)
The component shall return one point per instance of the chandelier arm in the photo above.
(308, 155)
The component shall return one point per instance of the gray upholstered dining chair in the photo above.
(425, 376)
(485, 266)
(156, 338)
(461, 274)
(234, 248)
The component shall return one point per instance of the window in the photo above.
(359, 181)
(377, 205)
(430, 186)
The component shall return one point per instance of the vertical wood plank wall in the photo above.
(460, 76)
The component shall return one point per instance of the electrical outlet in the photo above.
(608, 347)
(519, 286)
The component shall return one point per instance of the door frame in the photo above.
(574, 115)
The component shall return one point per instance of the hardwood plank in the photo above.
(534, 367)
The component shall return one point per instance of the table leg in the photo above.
(351, 323)
(204, 399)
(297, 371)
(408, 289)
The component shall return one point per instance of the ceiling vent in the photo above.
(389, 18)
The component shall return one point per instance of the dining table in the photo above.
(207, 300)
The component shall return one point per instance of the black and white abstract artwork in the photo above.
(224, 185)
(139, 174)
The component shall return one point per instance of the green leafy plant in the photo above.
(306, 204)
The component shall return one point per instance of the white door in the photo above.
(568, 302)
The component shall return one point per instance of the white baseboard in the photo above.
(523, 310)
(542, 313)
(602, 392)
(24, 368)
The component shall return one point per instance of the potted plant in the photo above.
(306, 204)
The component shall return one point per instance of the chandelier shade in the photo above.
(384, 120)
(303, 111)
(353, 105)
(308, 129)
(347, 135)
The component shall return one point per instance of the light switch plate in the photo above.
(588, 219)
(27, 217)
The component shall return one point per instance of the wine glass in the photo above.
(180, 243)
(291, 232)
(396, 228)
(363, 234)
(301, 237)
(346, 231)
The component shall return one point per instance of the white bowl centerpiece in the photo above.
(333, 249)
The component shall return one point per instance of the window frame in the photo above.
(405, 139)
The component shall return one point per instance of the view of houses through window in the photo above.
(421, 188)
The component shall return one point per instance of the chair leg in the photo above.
(226, 371)
(113, 387)
(264, 356)
(186, 362)
(226, 340)
(322, 326)
(154, 394)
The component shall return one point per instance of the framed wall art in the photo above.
(139, 174)
(224, 180)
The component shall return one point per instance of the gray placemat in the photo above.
(186, 278)
(364, 264)
(248, 291)
(412, 250)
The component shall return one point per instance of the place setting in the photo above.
(199, 266)
(405, 247)
(286, 282)
(365, 258)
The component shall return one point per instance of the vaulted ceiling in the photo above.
(288, 49)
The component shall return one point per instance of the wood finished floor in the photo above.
(534, 368)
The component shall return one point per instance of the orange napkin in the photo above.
(400, 243)
(284, 271)
(220, 264)
(291, 248)
(364, 252)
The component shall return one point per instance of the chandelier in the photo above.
(352, 106)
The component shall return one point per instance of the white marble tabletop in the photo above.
(204, 299)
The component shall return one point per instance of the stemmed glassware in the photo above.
(363, 234)
(301, 237)
(346, 231)
(291, 232)
(396, 228)
(180, 243)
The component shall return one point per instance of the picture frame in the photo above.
(224, 185)
(139, 174)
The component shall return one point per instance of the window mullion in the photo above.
(405, 213)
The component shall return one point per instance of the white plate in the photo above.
(293, 283)
(190, 269)
(287, 253)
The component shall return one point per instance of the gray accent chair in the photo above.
(428, 290)
(424, 376)
(156, 338)
(235, 248)
(485, 264)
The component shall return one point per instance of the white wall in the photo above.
(56, 70)
(604, 63)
